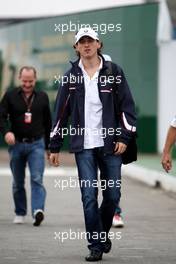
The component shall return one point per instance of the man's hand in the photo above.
(166, 161)
(9, 138)
(54, 159)
(120, 148)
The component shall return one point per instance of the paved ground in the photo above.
(149, 236)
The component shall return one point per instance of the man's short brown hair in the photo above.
(28, 68)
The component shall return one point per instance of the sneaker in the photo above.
(117, 221)
(94, 255)
(19, 219)
(38, 217)
(107, 246)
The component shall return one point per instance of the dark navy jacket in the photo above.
(70, 103)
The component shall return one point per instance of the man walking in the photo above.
(100, 135)
(28, 113)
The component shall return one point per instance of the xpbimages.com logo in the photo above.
(73, 235)
(82, 131)
(63, 184)
(102, 28)
(72, 79)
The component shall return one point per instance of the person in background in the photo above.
(28, 113)
(166, 159)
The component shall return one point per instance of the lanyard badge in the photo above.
(28, 114)
(27, 117)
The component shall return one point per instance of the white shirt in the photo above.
(92, 110)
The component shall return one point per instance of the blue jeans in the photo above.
(98, 221)
(32, 154)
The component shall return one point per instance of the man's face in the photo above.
(28, 80)
(87, 47)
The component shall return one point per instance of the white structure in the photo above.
(17, 8)
(166, 73)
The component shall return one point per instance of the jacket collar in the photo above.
(75, 64)
(20, 91)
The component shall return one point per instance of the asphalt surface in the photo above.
(149, 235)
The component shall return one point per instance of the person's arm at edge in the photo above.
(47, 125)
(166, 159)
(9, 136)
(61, 114)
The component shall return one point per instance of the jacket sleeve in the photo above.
(127, 113)
(60, 119)
(4, 112)
(47, 122)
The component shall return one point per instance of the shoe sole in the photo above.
(38, 219)
(118, 226)
(93, 260)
